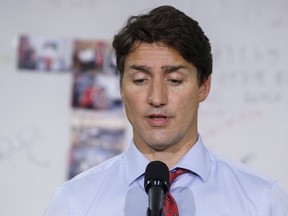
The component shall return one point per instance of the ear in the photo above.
(121, 92)
(204, 89)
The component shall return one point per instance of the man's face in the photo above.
(161, 95)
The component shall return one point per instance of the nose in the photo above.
(157, 95)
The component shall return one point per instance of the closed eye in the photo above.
(175, 81)
(139, 81)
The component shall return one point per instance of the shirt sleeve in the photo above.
(278, 201)
(58, 205)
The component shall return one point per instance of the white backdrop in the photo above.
(245, 117)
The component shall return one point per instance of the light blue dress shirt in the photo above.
(213, 187)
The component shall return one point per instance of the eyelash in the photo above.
(171, 81)
(139, 81)
(175, 81)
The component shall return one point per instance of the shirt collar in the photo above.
(134, 164)
(196, 160)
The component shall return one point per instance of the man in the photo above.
(165, 65)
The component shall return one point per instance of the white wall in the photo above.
(244, 118)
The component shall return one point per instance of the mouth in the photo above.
(157, 116)
(157, 120)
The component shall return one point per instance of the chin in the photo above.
(159, 146)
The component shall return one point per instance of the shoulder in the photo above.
(75, 196)
(240, 182)
(92, 181)
(264, 192)
(241, 174)
(98, 173)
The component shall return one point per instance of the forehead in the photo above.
(139, 47)
(155, 58)
(151, 53)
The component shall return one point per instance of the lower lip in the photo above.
(158, 122)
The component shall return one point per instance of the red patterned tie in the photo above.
(170, 205)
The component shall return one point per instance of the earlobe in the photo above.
(204, 89)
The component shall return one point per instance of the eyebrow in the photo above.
(165, 68)
(142, 68)
(172, 68)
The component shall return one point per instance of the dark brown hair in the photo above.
(169, 26)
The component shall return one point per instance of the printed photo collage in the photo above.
(98, 123)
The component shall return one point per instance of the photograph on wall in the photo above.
(96, 80)
(44, 54)
(98, 121)
(96, 137)
(96, 92)
(94, 56)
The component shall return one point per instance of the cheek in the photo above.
(186, 104)
(185, 97)
(186, 108)
(132, 101)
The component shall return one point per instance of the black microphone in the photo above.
(156, 185)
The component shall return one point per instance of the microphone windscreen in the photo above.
(157, 170)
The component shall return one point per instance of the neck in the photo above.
(171, 155)
(170, 159)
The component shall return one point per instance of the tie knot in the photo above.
(175, 173)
